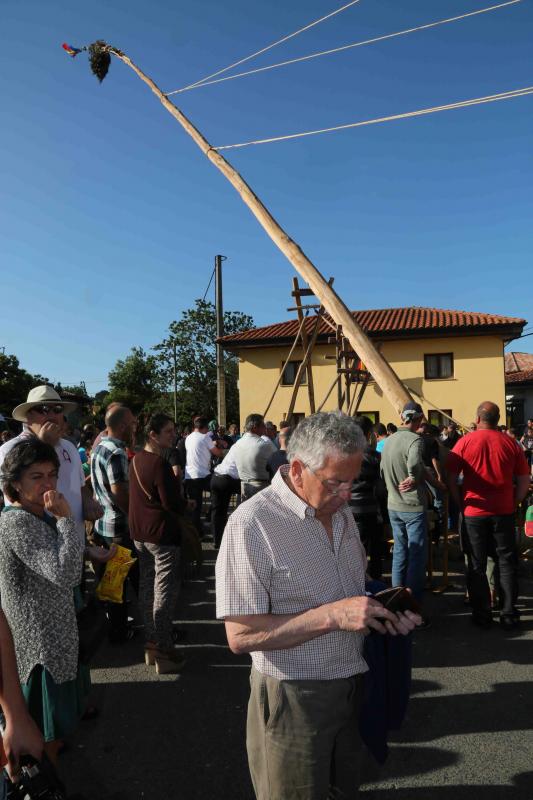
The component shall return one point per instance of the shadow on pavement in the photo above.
(520, 790)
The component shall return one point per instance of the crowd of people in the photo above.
(313, 510)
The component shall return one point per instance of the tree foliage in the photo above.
(138, 381)
(78, 389)
(15, 383)
(192, 340)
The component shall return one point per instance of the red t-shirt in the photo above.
(488, 460)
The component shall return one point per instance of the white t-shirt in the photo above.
(70, 478)
(198, 447)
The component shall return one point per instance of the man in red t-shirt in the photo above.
(495, 481)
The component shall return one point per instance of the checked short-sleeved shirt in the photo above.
(276, 558)
(109, 465)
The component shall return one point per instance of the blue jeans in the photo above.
(409, 530)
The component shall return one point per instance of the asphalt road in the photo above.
(468, 729)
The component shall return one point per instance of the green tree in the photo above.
(138, 381)
(79, 389)
(15, 383)
(192, 340)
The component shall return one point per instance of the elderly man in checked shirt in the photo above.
(291, 589)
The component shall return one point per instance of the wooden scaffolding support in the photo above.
(351, 379)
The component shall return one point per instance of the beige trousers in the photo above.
(302, 738)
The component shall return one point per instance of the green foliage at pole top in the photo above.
(99, 59)
(190, 348)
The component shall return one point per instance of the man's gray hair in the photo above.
(325, 434)
(253, 421)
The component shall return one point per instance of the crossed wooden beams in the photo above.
(351, 378)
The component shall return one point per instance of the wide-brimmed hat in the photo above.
(36, 397)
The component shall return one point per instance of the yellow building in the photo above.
(449, 360)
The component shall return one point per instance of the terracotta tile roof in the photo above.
(386, 322)
(518, 367)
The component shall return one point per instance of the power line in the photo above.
(208, 285)
(207, 82)
(491, 98)
(523, 336)
(264, 49)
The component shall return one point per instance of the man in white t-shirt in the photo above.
(199, 448)
(43, 417)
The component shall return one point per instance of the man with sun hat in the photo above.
(42, 415)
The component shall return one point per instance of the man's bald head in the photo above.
(487, 414)
(119, 422)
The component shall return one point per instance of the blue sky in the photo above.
(110, 216)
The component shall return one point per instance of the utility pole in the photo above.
(221, 377)
(175, 384)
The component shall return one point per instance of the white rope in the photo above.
(264, 49)
(206, 82)
(491, 98)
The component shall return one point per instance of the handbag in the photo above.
(191, 545)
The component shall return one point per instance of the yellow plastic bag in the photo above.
(111, 586)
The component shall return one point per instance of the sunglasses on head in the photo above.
(48, 409)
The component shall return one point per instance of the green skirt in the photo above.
(56, 707)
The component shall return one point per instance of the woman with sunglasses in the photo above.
(40, 564)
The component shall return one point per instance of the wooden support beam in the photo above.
(303, 366)
(300, 307)
(304, 292)
(329, 391)
(280, 376)
(338, 348)
(354, 398)
(353, 371)
(347, 380)
(305, 343)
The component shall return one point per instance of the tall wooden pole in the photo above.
(381, 370)
(175, 376)
(221, 377)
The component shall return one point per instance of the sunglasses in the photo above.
(45, 409)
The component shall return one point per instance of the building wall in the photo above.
(478, 376)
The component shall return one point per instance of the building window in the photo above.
(296, 418)
(290, 368)
(372, 415)
(438, 419)
(438, 365)
(515, 412)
